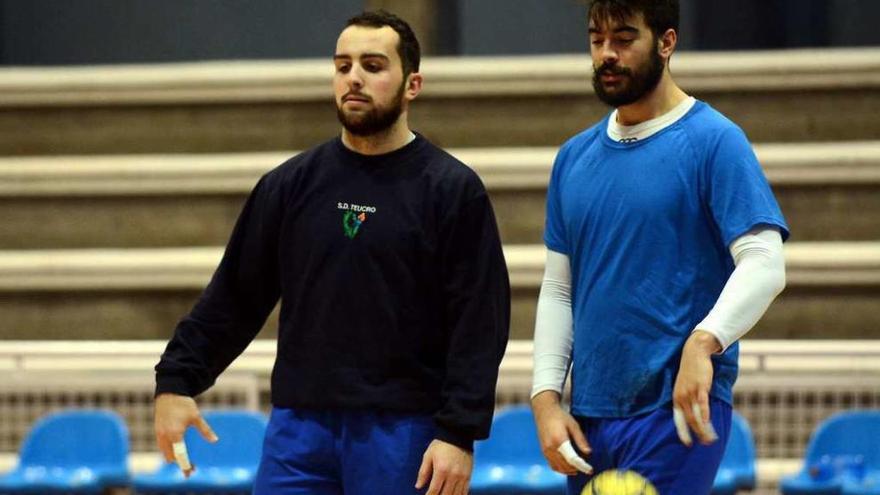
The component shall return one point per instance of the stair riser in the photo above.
(829, 213)
(800, 312)
(514, 120)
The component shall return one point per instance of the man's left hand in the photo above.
(691, 393)
(448, 467)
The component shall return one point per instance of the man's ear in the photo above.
(413, 86)
(666, 43)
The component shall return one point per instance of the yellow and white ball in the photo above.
(616, 482)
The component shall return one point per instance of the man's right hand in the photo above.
(173, 415)
(555, 427)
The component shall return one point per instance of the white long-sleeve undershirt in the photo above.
(554, 328)
(758, 278)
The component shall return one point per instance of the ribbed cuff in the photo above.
(461, 441)
(173, 384)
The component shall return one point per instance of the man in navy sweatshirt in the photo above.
(395, 300)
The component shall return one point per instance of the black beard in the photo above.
(375, 121)
(634, 84)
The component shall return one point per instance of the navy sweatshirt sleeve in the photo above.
(477, 314)
(233, 307)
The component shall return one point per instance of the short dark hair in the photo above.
(660, 15)
(408, 46)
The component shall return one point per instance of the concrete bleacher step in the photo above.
(832, 291)
(828, 192)
(791, 95)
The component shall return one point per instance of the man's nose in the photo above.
(608, 53)
(355, 78)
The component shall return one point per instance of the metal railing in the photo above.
(785, 387)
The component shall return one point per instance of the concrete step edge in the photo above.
(818, 264)
(309, 80)
(786, 164)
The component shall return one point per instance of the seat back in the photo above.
(241, 440)
(77, 438)
(847, 433)
(513, 440)
(739, 455)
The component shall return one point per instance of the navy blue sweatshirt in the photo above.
(394, 290)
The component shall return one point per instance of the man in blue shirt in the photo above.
(664, 248)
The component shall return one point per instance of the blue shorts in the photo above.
(342, 452)
(649, 445)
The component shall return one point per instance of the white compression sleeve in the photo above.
(758, 278)
(554, 332)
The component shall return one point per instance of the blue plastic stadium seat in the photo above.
(869, 485)
(843, 457)
(510, 462)
(737, 470)
(228, 466)
(71, 451)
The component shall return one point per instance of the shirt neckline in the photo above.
(383, 158)
(630, 135)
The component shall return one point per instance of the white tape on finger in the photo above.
(181, 456)
(681, 427)
(573, 459)
(707, 429)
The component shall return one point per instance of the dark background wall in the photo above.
(489, 27)
(49, 32)
(114, 31)
(557, 26)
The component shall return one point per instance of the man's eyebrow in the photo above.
(621, 29)
(626, 29)
(375, 55)
(363, 56)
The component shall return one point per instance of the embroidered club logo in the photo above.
(351, 223)
(353, 216)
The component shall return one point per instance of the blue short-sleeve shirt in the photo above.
(647, 228)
